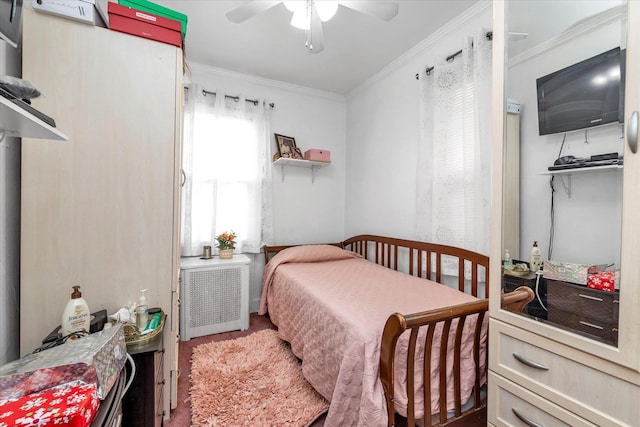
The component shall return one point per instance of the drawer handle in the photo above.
(591, 325)
(161, 382)
(525, 420)
(616, 301)
(590, 297)
(530, 363)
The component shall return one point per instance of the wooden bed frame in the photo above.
(411, 257)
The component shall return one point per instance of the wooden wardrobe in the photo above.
(101, 210)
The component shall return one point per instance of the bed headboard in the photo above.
(410, 256)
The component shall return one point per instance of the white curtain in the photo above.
(227, 171)
(454, 151)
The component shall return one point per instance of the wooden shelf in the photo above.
(310, 164)
(15, 121)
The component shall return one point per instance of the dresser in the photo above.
(588, 311)
(579, 365)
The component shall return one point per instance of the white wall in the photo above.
(304, 212)
(588, 222)
(9, 227)
(382, 133)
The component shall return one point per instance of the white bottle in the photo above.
(142, 312)
(76, 316)
(508, 263)
(535, 258)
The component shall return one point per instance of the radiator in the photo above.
(214, 296)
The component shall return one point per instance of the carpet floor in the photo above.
(181, 415)
(251, 381)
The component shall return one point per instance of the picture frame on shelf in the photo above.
(297, 154)
(287, 147)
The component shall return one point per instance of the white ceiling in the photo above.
(356, 45)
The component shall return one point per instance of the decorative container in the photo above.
(226, 253)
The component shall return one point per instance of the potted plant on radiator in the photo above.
(226, 244)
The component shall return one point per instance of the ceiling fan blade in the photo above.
(384, 10)
(315, 42)
(249, 10)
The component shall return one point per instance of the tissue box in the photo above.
(318, 155)
(94, 359)
(604, 281)
(569, 272)
(73, 405)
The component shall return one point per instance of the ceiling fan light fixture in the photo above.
(326, 9)
(295, 6)
(300, 20)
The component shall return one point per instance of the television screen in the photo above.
(589, 93)
(10, 20)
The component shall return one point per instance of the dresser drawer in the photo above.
(516, 406)
(604, 331)
(595, 395)
(583, 301)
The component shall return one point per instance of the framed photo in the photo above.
(287, 146)
(297, 154)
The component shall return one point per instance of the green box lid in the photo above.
(156, 9)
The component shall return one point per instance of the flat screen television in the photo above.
(588, 93)
(10, 21)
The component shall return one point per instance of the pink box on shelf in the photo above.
(317, 155)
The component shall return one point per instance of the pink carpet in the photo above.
(250, 381)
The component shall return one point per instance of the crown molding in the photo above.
(459, 23)
(274, 84)
(583, 27)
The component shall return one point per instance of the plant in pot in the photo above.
(226, 244)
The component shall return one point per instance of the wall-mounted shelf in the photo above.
(15, 121)
(309, 164)
(581, 170)
(590, 169)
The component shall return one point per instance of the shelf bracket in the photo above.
(282, 173)
(313, 173)
(566, 185)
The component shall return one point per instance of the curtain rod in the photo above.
(235, 98)
(488, 35)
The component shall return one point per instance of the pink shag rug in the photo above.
(251, 381)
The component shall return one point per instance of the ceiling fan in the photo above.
(309, 14)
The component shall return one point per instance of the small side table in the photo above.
(214, 295)
(142, 405)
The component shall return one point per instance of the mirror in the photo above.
(556, 79)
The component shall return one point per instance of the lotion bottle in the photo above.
(535, 258)
(142, 312)
(508, 263)
(76, 316)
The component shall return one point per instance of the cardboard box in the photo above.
(318, 155)
(156, 9)
(143, 24)
(79, 10)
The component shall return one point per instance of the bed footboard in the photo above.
(397, 324)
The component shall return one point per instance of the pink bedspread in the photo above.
(332, 305)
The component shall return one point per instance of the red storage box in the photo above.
(318, 155)
(604, 281)
(143, 24)
(72, 406)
